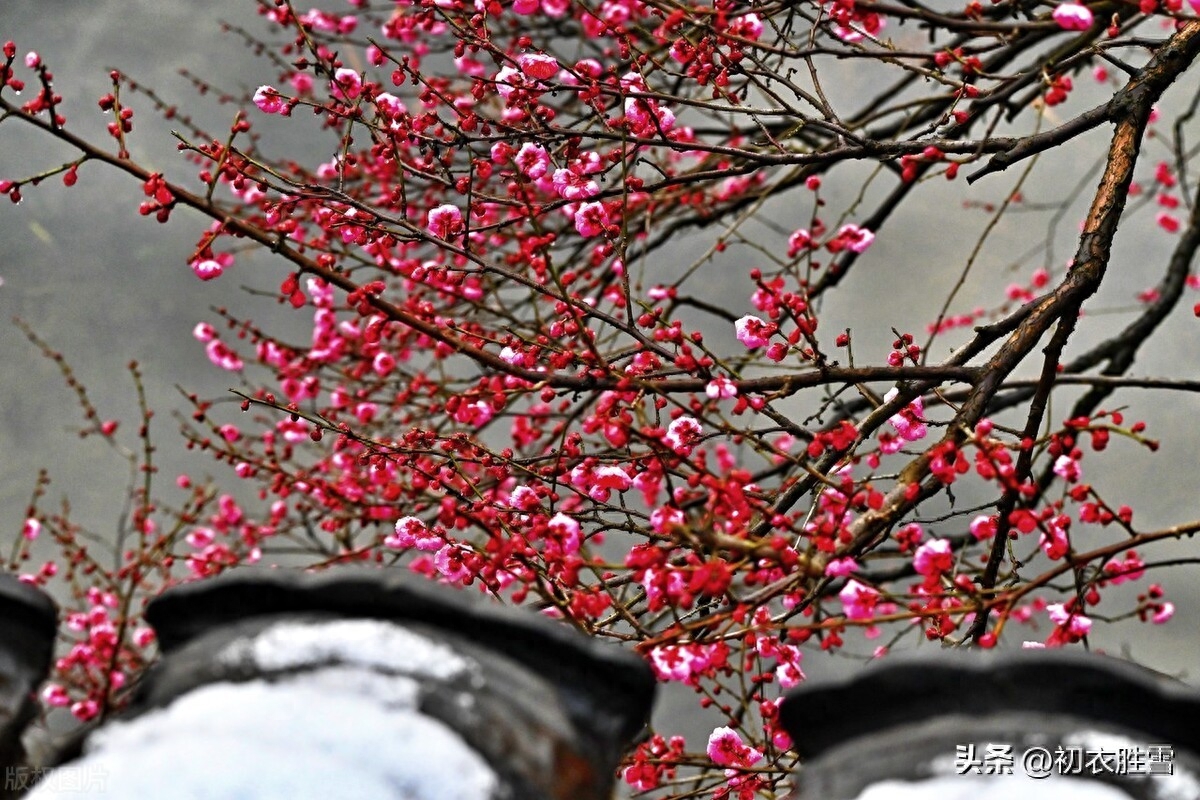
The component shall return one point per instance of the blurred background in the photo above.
(104, 286)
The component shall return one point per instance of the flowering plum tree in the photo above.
(571, 270)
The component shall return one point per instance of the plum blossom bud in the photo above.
(32, 60)
(1073, 17)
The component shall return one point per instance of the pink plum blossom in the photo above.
(841, 567)
(753, 332)
(571, 186)
(533, 160)
(1074, 624)
(858, 600)
(591, 219)
(445, 221)
(851, 237)
(451, 562)
(678, 662)
(411, 532)
(221, 355)
(269, 101)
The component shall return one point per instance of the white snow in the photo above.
(346, 730)
(992, 787)
(370, 643)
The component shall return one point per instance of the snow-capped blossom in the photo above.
(610, 476)
(207, 269)
(1076, 625)
(221, 355)
(538, 66)
(533, 160)
(269, 101)
(411, 532)
(933, 558)
(347, 84)
(55, 695)
(682, 434)
(851, 237)
(983, 527)
(591, 219)
(445, 221)
(1163, 613)
(204, 332)
(726, 748)
(1067, 468)
(451, 562)
(32, 59)
(858, 600)
(753, 332)
(1073, 17)
(721, 388)
(508, 80)
(31, 529)
(567, 530)
(524, 498)
(389, 105)
(383, 363)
